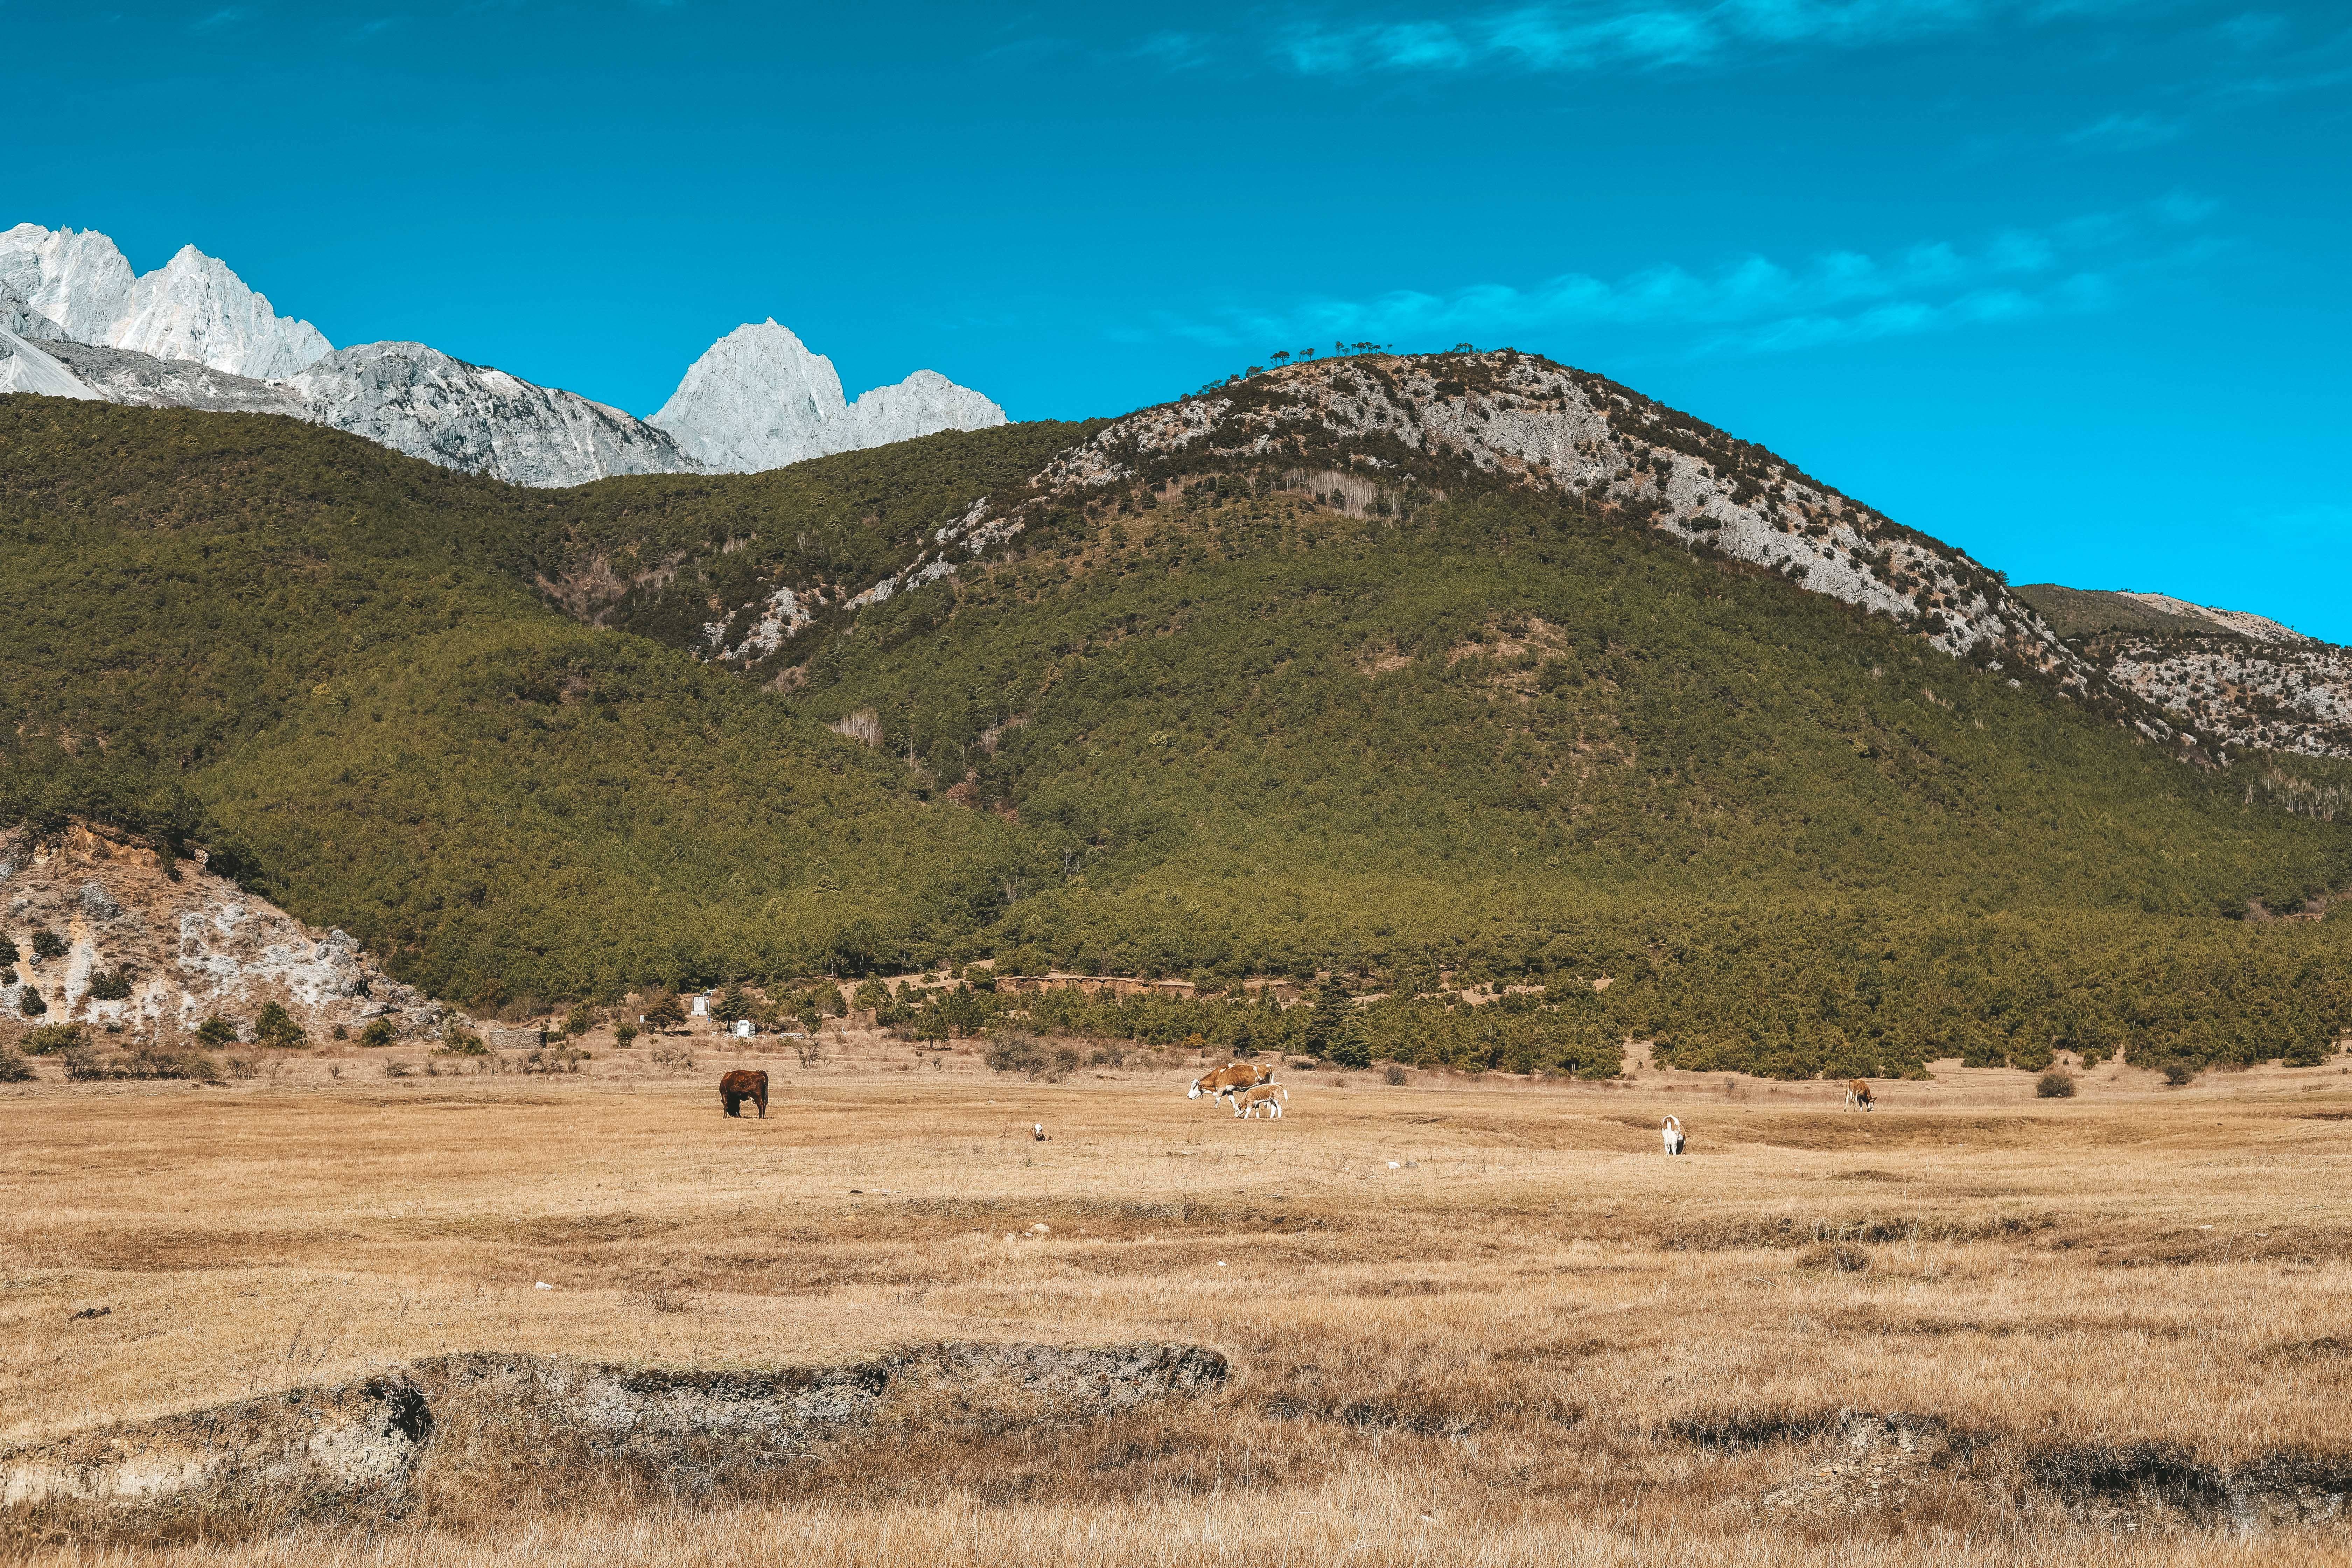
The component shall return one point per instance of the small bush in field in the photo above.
(152, 1061)
(1393, 1074)
(2176, 1073)
(624, 1035)
(378, 1034)
(1017, 1050)
(13, 1067)
(2056, 1085)
(243, 1066)
(396, 1067)
(81, 1063)
(462, 1043)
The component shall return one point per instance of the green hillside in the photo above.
(1217, 734)
(319, 653)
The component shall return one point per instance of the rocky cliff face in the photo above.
(182, 949)
(758, 399)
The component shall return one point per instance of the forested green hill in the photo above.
(1227, 730)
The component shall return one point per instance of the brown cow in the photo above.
(1857, 1096)
(740, 1086)
(1230, 1078)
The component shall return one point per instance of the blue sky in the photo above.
(2062, 281)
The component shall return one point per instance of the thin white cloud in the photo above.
(1595, 34)
(2127, 132)
(1755, 304)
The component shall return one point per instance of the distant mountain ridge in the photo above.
(76, 321)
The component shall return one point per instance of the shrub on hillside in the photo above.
(378, 1034)
(274, 1026)
(216, 1032)
(47, 943)
(110, 984)
(29, 1003)
(2056, 1085)
(51, 1037)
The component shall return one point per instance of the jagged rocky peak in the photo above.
(192, 308)
(760, 398)
(77, 282)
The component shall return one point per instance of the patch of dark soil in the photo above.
(2328, 1347)
(2140, 1487)
(1835, 1257)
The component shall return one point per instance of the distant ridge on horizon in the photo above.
(77, 321)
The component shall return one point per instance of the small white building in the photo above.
(702, 1006)
(742, 1029)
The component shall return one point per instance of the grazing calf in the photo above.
(1673, 1135)
(1230, 1078)
(1857, 1096)
(1267, 1095)
(740, 1086)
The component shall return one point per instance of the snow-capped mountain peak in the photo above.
(191, 334)
(759, 398)
(191, 308)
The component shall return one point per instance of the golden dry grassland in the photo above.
(1470, 1321)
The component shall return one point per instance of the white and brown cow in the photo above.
(1857, 1096)
(1673, 1128)
(1267, 1097)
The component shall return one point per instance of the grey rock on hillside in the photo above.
(425, 403)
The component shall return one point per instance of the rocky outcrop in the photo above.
(175, 949)
(124, 375)
(2224, 677)
(420, 401)
(758, 399)
(448, 1427)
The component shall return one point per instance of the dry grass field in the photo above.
(1468, 1320)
